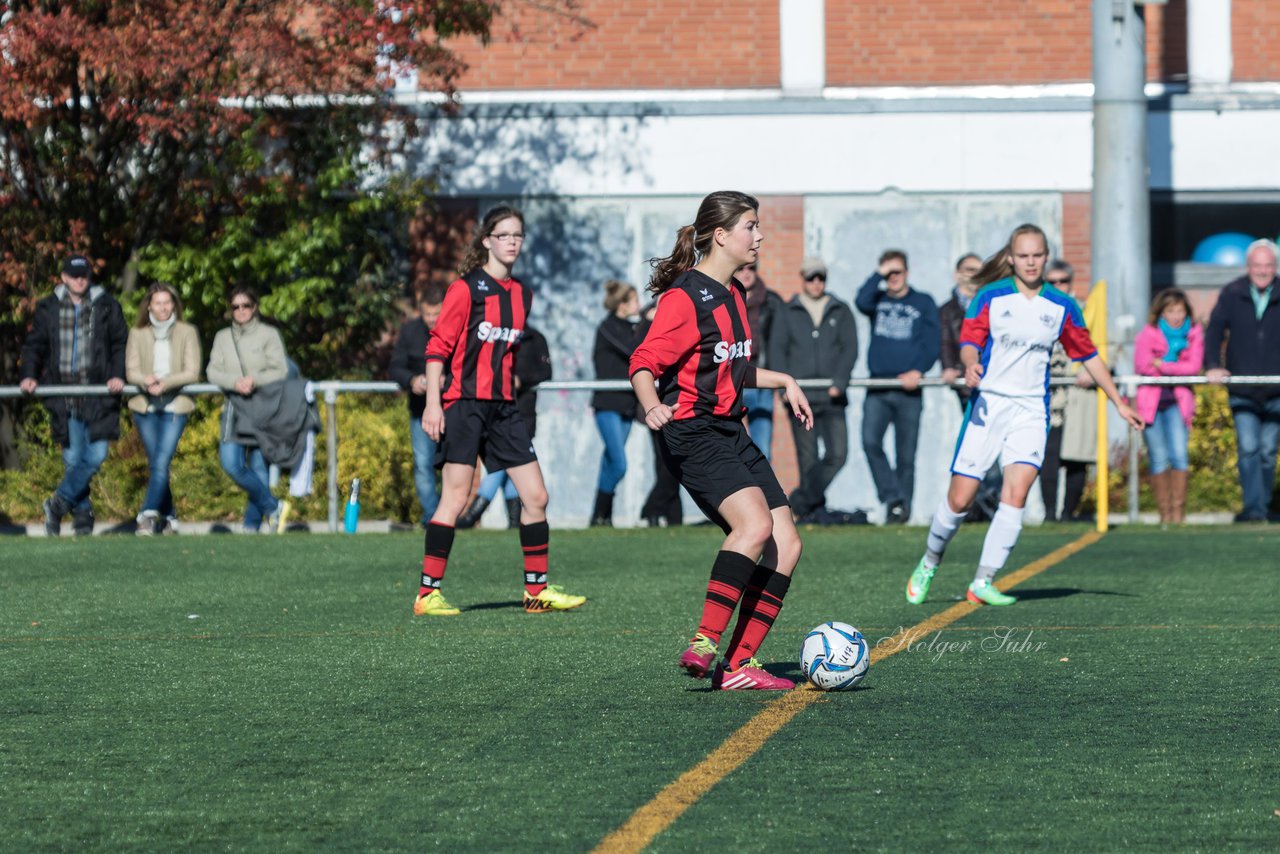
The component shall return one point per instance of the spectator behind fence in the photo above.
(409, 371)
(1171, 344)
(78, 337)
(162, 355)
(814, 336)
(1247, 319)
(905, 339)
(616, 340)
(532, 366)
(762, 307)
(245, 356)
(663, 505)
(1076, 430)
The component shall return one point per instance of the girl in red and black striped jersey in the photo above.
(471, 410)
(699, 350)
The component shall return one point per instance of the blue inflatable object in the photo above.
(1226, 249)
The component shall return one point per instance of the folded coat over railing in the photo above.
(276, 419)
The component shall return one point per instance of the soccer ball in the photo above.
(834, 656)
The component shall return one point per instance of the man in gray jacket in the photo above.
(814, 336)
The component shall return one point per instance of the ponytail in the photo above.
(683, 256)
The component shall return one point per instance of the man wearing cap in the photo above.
(905, 339)
(814, 336)
(78, 337)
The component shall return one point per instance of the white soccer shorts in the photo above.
(1011, 429)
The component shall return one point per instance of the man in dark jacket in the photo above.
(408, 370)
(814, 336)
(1247, 319)
(78, 337)
(905, 339)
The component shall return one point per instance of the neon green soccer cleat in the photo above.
(918, 583)
(552, 598)
(985, 593)
(433, 605)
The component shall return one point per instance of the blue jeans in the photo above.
(902, 410)
(1166, 441)
(424, 468)
(81, 459)
(491, 482)
(759, 404)
(160, 432)
(250, 475)
(613, 427)
(1257, 433)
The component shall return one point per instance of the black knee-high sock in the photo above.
(439, 542)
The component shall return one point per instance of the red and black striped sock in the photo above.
(760, 606)
(534, 541)
(435, 556)
(729, 575)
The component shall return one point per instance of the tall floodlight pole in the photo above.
(1121, 227)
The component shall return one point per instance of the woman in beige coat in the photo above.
(246, 355)
(162, 355)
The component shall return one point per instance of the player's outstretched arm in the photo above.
(790, 390)
(1101, 374)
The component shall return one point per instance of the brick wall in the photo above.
(1167, 41)
(1077, 220)
(1255, 40)
(653, 44)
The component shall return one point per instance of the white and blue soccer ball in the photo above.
(834, 656)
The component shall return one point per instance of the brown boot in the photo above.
(1178, 496)
(1160, 486)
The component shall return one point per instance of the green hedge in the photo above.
(373, 440)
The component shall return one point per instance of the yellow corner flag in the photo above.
(1095, 318)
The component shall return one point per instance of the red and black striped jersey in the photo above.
(699, 347)
(480, 325)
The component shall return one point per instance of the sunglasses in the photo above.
(817, 277)
(237, 306)
(1058, 281)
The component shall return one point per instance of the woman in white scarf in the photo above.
(163, 354)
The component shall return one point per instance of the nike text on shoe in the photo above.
(552, 598)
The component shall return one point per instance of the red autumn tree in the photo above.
(130, 123)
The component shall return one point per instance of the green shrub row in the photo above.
(373, 440)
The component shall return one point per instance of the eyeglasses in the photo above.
(241, 306)
(891, 274)
(508, 237)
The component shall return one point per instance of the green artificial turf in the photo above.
(273, 693)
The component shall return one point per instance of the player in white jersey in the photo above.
(1005, 344)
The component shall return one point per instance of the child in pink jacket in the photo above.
(1170, 345)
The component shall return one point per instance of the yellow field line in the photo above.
(669, 804)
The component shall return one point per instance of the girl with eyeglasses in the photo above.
(1006, 339)
(471, 410)
(699, 350)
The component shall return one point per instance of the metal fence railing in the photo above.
(329, 391)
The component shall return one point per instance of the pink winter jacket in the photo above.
(1151, 346)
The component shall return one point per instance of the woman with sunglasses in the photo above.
(246, 355)
(161, 356)
(471, 410)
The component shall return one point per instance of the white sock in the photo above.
(1002, 536)
(943, 527)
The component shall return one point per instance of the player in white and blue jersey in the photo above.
(1005, 344)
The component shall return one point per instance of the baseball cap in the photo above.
(77, 266)
(813, 266)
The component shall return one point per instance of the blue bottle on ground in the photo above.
(352, 517)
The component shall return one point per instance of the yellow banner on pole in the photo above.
(1095, 317)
